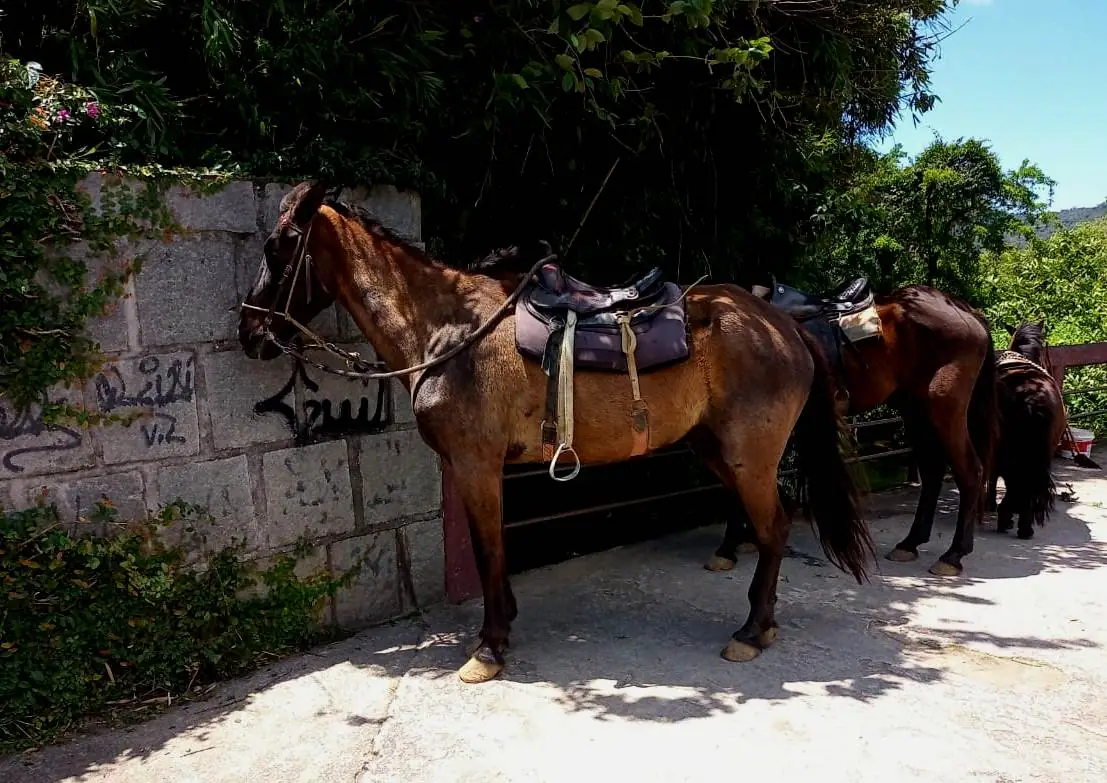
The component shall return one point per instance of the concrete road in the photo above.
(615, 674)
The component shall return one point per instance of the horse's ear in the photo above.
(1041, 324)
(1010, 329)
(303, 202)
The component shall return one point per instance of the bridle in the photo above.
(360, 369)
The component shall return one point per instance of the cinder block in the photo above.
(112, 329)
(332, 405)
(271, 208)
(235, 384)
(77, 500)
(30, 447)
(400, 476)
(220, 486)
(232, 208)
(373, 594)
(398, 210)
(310, 564)
(186, 291)
(425, 546)
(163, 389)
(307, 493)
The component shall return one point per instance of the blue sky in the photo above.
(1030, 78)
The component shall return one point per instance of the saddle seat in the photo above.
(557, 289)
(851, 298)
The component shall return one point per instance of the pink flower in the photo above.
(62, 115)
(92, 110)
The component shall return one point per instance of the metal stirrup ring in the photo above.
(564, 449)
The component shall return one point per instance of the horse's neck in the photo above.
(401, 303)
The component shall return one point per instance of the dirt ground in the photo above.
(999, 675)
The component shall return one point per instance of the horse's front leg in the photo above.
(479, 487)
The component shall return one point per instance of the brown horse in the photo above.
(935, 363)
(751, 376)
(1032, 420)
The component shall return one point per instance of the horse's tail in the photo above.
(1029, 441)
(824, 478)
(984, 420)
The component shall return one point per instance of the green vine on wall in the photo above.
(115, 627)
(52, 234)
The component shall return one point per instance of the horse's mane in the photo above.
(504, 262)
(513, 260)
(378, 229)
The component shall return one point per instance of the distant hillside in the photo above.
(1071, 217)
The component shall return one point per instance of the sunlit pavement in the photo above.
(615, 674)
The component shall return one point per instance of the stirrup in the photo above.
(563, 448)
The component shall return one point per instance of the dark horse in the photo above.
(1032, 420)
(751, 375)
(934, 361)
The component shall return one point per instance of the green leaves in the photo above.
(103, 624)
(578, 11)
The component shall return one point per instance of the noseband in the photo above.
(360, 368)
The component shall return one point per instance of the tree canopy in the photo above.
(925, 220)
(708, 128)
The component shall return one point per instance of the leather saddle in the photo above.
(568, 324)
(851, 298)
(557, 289)
(660, 330)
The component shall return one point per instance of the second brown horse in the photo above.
(934, 363)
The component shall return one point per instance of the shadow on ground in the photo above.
(633, 635)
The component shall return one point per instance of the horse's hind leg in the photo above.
(738, 533)
(758, 493)
(736, 540)
(950, 417)
(931, 461)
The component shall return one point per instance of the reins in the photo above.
(301, 259)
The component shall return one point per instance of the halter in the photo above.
(301, 261)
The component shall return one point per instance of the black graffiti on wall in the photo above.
(30, 423)
(159, 385)
(322, 417)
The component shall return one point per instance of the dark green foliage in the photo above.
(92, 625)
(508, 115)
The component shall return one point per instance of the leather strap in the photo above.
(565, 399)
(640, 412)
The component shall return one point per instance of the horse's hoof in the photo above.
(942, 568)
(1003, 530)
(1026, 535)
(898, 555)
(717, 563)
(740, 652)
(476, 670)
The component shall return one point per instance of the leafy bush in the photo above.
(1063, 281)
(94, 625)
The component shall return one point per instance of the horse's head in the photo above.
(289, 289)
(1028, 340)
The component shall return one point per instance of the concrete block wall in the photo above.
(274, 450)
